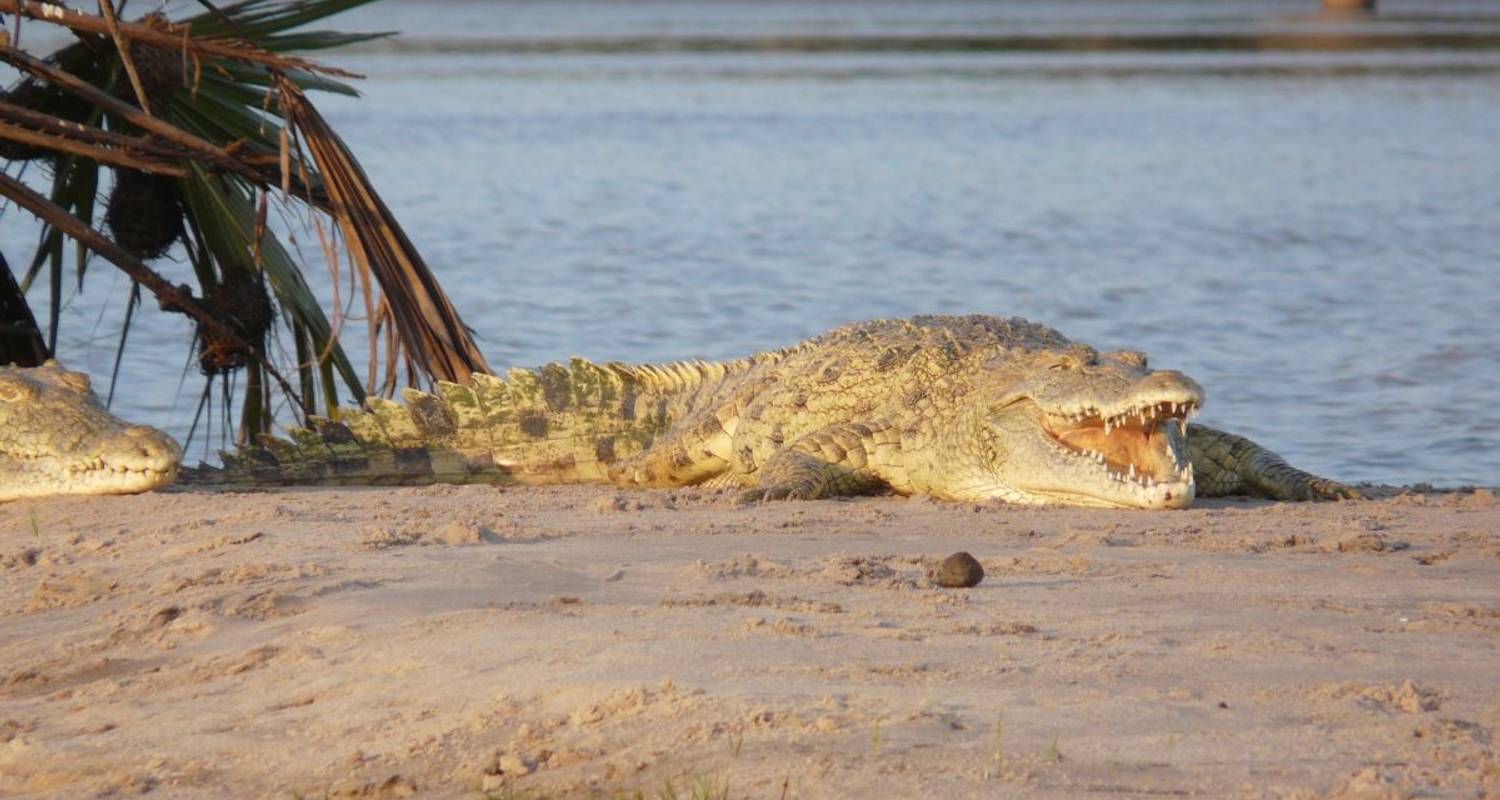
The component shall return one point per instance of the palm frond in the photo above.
(431, 331)
(212, 109)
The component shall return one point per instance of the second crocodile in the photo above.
(57, 438)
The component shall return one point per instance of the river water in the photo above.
(1301, 212)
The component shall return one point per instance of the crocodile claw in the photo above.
(780, 491)
(1324, 489)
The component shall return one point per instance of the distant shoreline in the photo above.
(1257, 41)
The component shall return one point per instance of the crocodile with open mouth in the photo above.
(56, 438)
(962, 408)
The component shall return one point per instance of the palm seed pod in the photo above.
(160, 70)
(144, 214)
(35, 95)
(242, 303)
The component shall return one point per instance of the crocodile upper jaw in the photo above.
(1127, 457)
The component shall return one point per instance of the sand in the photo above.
(578, 641)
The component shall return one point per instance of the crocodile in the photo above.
(960, 408)
(56, 438)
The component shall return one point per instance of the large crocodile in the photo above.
(56, 438)
(964, 408)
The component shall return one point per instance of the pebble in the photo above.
(960, 571)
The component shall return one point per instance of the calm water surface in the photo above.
(1313, 234)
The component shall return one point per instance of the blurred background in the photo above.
(1297, 207)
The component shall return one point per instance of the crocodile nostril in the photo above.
(151, 443)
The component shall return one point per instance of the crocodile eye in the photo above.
(1065, 363)
(1075, 358)
(76, 381)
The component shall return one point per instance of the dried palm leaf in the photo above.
(215, 110)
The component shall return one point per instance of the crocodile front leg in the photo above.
(692, 453)
(1224, 464)
(840, 460)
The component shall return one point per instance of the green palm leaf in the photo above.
(237, 122)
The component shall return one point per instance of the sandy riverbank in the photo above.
(434, 641)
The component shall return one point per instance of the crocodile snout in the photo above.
(1169, 383)
(149, 447)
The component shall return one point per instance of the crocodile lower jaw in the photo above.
(131, 479)
(1129, 457)
(1160, 495)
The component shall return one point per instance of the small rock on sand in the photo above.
(960, 571)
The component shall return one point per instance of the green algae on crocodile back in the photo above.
(963, 408)
(56, 438)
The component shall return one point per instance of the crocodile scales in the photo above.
(962, 408)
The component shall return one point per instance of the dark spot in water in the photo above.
(431, 417)
(557, 387)
(534, 424)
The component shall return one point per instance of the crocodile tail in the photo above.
(562, 423)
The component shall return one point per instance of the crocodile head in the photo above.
(1080, 428)
(56, 438)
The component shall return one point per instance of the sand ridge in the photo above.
(443, 641)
